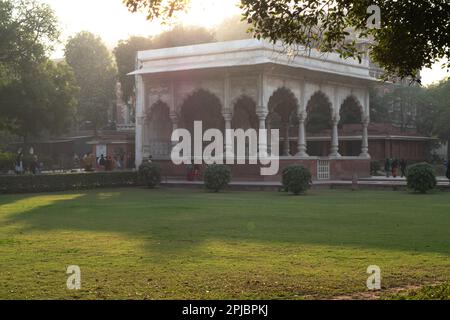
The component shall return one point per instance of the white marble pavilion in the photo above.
(253, 84)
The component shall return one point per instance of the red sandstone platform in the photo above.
(369, 183)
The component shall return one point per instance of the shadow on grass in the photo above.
(171, 220)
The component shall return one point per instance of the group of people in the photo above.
(34, 165)
(393, 166)
(103, 163)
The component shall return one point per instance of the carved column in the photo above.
(228, 116)
(302, 147)
(287, 147)
(174, 119)
(262, 115)
(140, 119)
(335, 137)
(365, 138)
(269, 138)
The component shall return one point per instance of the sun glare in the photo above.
(111, 20)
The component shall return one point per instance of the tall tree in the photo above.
(28, 30)
(41, 100)
(410, 35)
(125, 54)
(182, 36)
(441, 119)
(36, 95)
(95, 74)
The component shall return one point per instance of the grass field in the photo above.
(165, 244)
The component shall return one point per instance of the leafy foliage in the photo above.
(64, 182)
(413, 34)
(421, 178)
(6, 161)
(28, 30)
(296, 179)
(95, 74)
(150, 174)
(35, 94)
(125, 54)
(440, 115)
(43, 98)
(217, 177)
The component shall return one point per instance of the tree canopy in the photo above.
(95, 74)
(411, 34)
(125, 54)
(441, 111)
(126, 50)
(41, 100)
(36, 95)
(27, 31)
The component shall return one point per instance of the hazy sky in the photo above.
(111, 20)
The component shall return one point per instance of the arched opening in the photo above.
(205, 107)
(350, 128)
(244, 115)
(283, 116)
(202, 106)
(319, 125)
(159, 130)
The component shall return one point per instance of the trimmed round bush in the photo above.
(150, 174)
(421, 178)
(217, 177)
(296, 179)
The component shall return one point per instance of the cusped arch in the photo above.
(351, 110)
(283, 102)
(201, 105)
(319, 111)
(244, 113)
(158, 129)
(321, 96)
(155, 108)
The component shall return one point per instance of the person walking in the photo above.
(34, 165)
(447, 173)
(19, 162)
(403, 166)
(102, 163)
(395, 168)
(388, 167)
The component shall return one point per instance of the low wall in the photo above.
(340, 169)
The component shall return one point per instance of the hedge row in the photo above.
(65, 182)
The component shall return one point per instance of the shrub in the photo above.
(6, 161)
(296, 179)
(150, 174)
(421, 178)
(217, 177)
(63, 182)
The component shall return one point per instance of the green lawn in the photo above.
(164, 244)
